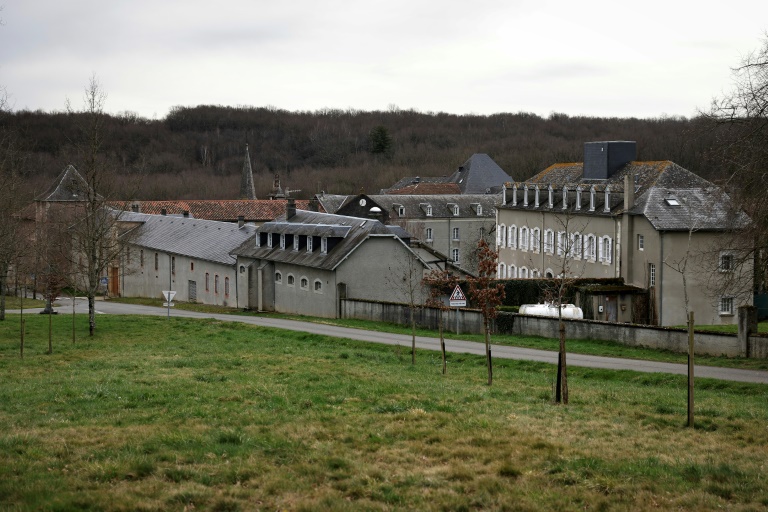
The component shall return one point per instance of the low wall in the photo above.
(471, 321)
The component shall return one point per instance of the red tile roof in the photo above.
(259, 210)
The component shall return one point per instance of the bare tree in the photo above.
(406, 276)
(486, 294)
(440, 283)
(96, 244)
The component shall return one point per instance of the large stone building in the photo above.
(305, 262)
(650, 223)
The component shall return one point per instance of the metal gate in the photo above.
(192, 292)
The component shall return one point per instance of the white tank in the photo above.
(550, 310)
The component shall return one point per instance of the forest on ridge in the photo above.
(198, 152)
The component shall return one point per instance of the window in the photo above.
(535, 274)
(318, 286)
(282, 240)
(296, 239)
(578, 246)
(309, 243)
(512, 238)
(672, 201)
(523, 272)
(501, 273)
(141, 257)
(512, 271)
(304, 283)
(269, 239)
(726, 262)
(479, 210)
(605, 249)
(429, 210)
(278, 278)
(590, 247)
(291, 280)
(173, 265)
(536, 240)
(157, 261)
(592, 198)
(726, 305)
(640, 242)
(549, 274)
(455, 233)
(551, 196)
(324, 245)
(428, 234)
(216, 283)
(523, 238)
(191, 266)
(207, 281)
(561, 243)
(501, 236)
(401, 211)
(455, 255)
(549, 241)
(455, 209)
(651, 275)
(226, 287)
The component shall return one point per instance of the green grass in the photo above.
(157, 414)
(589, 347)
(17, 302)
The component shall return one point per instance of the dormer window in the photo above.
(672, 201)
(592, 198)
(536, 197)
(607, 207)
(401, 211)
(258, 239)
(514, 194)
(296, 242)
(479, 209)
(309, 243)
(525, 195)
(324, 245)
(269, 240)
(455, 210)
(551, 194)
(428, 210)
(578, 198)
(565, 197)
(282, 240)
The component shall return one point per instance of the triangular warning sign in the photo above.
(457, 294)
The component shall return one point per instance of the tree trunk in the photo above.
(73, 316)
(488, 361)
(562, 369)
(50, 333)
(3, 279)
(413, 338)
(442, 340)
(91, 313)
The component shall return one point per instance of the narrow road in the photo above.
(452, 345)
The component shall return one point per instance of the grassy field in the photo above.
(158, 414)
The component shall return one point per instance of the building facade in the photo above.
(658, 226)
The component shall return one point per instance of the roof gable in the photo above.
(69, 186)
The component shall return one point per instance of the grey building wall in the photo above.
(443, 240)
(188, 275)
(315, 298)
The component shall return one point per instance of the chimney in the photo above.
(629, 191)
(163, 211)
(240, 220)
(186, 214)
(290, 208)
(314, 204)
(135, 207)
(603, 159)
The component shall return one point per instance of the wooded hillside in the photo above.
(198, 152)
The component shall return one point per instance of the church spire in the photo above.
(247, 189)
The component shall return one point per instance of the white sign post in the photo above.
(169, 295)
(458, 300)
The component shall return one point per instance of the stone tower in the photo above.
(247, 189)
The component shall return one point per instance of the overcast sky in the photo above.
(596, 58)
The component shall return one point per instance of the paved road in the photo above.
(452, 345)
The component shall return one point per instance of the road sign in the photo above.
(168, 304)
(169, 295)
(103, 281)
(458, 299)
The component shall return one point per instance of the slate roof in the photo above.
(196, 238)
(478, 175)
(702, 203)
(69, 186)
(259, 210)
(415, 205)
(351, 231)
(423, 188)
